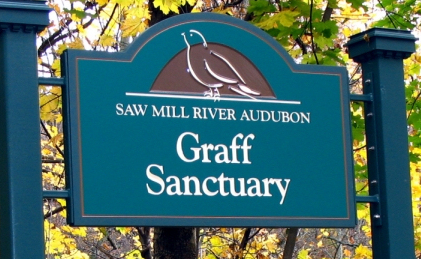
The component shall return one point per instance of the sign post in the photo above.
(381, 52)
(21, 215)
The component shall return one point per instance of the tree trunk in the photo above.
(289, 246)
(175, 243)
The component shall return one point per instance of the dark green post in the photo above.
(381, 53)
(21, 218)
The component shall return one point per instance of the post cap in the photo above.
(381, 42)
(25, 15)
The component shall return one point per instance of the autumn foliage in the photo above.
(313, 32)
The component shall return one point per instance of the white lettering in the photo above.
(205, 186)
(155, 179)
(179, 147)
(119, 109)
(156, 113)
(174, 188)
(196, 182)
(208, 150)
(282, 190)
(225, 186)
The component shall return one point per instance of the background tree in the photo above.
(312, 31)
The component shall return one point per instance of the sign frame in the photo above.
(73, 143)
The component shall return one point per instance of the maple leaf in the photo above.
(124, 3)
(77, 44)
(287, 18)
(363, 252)
(259, 7)
(107, 40)
(191, 2)
(102, 2)
(133, 26)
(166, 6)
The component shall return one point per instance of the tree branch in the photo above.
(243, 243)
(235, 3)
(53, 212)
(107, 24)
(54, 38)
(387, 14)
(327, 14)
(49, 136)
(313, 46)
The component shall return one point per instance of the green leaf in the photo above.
(328, 28)
(260, 7)
(357, 4)
(79, 14)
(266, 23)
(287, 18)
(332, 3)
(334, 55)
(322, 41)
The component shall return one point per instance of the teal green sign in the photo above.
(207, 121)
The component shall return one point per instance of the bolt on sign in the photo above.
(205, 120)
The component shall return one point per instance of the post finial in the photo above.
(381, 42)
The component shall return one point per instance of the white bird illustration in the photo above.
(237, 85)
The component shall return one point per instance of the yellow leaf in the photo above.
(56, 90)
(107, 40)
(140, 11)
(267, 24)
(272, 246)
(48, 104)
(62, 202)
(70, 243)
(135, 254)
(198, 6)
(56, 7)
(58, 118)
(61, 48)
(102, 2)
(196, 10)
(222, 10)
(77, 44)
(133, 26)
(75, 18)
(57, 139)
(43, 33)
(166, 5)
(45, 152)
(215, 241)
(53, 129)
(81, 29)
(192, 2)
(303, 254)
(124, 3)
(363, 252)
(124, 230)
(56, 67)
(347, 252)
(80, 231)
